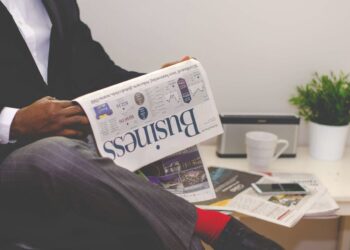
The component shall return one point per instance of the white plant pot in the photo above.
(327, 142)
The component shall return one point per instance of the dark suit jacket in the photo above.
(77, 63)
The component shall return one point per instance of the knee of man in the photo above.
(27, 172)
(50, 147)
(45, 153)
(51, 144)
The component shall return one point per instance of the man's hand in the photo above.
(172, 63)
(49, 117)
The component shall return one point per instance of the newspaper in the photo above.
(325, 207)
(285, 210)
(145, 119)
(182, 174)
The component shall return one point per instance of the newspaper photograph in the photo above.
(182, 174)
(145, 119)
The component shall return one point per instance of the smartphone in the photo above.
(279, 188)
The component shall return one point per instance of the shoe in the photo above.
(237, 236)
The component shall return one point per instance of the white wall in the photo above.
(255, 52)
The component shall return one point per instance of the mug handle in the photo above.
(286, 144)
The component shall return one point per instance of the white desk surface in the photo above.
(334, 175)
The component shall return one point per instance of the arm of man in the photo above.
(91, 66)
(47, 117)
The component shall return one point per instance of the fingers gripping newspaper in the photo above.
(148, 118)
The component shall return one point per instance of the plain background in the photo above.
(255, 52)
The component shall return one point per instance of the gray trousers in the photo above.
(57, 193)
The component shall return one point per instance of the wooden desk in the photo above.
(334, 175)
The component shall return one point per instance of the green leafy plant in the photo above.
(325, 99)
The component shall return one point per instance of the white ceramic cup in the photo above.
(261, 149)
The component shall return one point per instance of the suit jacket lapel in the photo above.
(19, 47)
(55, 66)
(10, 31)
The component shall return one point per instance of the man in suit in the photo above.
(56, 192)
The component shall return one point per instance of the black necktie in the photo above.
(55, 17)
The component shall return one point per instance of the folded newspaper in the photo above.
(145, 119)
(234, 193)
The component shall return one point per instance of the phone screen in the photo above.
(280, 187)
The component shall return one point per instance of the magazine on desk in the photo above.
(228, 183)
(233, 193)
(145, 119)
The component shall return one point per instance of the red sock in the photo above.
(210, 224)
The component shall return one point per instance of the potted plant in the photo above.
(325, 102)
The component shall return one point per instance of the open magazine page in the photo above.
(227, 184)
(323, 207)
(150, 117)
(183, 174)
(283, 209)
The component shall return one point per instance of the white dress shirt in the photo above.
(35, 25)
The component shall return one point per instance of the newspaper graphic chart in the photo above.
(145, 119)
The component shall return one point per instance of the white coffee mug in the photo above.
(261, 149)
